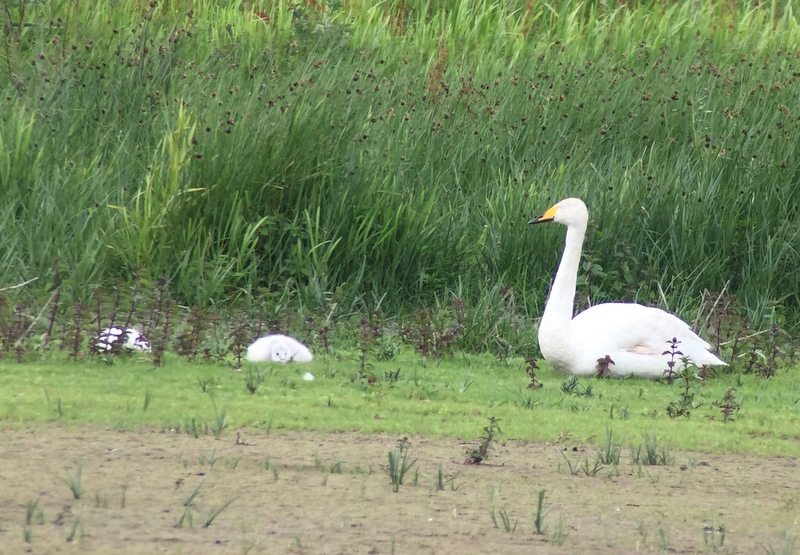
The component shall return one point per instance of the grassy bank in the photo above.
(452, 397)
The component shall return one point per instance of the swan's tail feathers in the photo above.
(303, 354)
(710, 359)
(699, 353)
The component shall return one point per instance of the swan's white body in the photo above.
(635, 337)
(278, 348)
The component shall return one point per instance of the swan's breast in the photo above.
(557, 348)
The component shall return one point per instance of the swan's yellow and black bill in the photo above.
(548, 216)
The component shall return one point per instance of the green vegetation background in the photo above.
(389, 155)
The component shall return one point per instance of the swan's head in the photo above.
(569, 212)
(281, 354)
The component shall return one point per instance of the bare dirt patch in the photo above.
(309, 492)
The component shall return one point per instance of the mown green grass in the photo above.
(390, 154)
(452, 397)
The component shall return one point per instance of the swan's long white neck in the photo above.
(561, 302)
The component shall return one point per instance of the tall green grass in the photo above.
(390, 154)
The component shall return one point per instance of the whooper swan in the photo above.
(633, 336)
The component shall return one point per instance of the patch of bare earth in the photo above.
(310, 492)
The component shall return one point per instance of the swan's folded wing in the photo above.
(633, 327)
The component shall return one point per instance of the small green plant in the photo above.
(399, 464)
(559, 536)
(253, 379)
(32, 510)
(192, 427)
(530, 368)
(220, 421)
(186, 517)
(440, 478)
(74, 528)
(788, 545)
(195, 492)
(479, 454)
(654, 478)
(685, 404)
(642, 529)
(591, 470)
(360, 470)
(663, 538)
(610, 452)
(538, 519)
(728, 405)
(216, 512)
(506, 521)
(443, 480)
(146, 403)
(714, 536)
(526, 400)
(206, 383)
(649, 453)
(393, 376)
(670, 374)
(569, 385)
(588, 470)
(75, 484)
(210, 459)
(572, 469)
